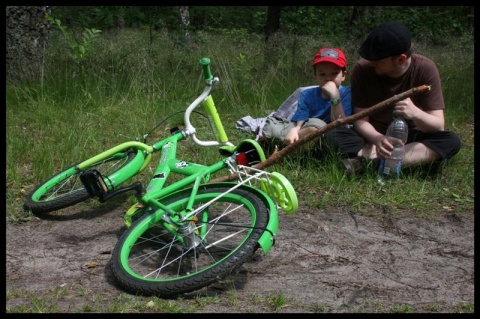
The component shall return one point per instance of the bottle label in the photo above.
(390, 167)
(381, 166)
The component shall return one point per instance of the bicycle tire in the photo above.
(232, 237)
(65, 189)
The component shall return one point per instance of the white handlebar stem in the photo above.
(189, 129)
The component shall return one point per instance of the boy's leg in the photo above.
(349, 145)
(309, 127)
(345, 140)
(275, 130)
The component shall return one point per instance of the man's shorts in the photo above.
(276, 128)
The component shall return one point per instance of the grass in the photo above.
(51, 125)
(53, 301)
(277, 301)
(132, 92)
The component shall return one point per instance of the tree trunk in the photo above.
(120, 14)
(26, 36)
(273, 21)
(185, 23)
(272, 27)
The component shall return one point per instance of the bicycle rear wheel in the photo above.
(65, 189)
(149, 260)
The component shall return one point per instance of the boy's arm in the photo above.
(332, 91)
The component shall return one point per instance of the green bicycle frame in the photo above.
(195, 174)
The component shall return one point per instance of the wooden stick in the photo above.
(277, 156)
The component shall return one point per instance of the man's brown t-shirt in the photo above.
(369, 89)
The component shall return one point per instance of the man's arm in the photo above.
(365, 129)
(425, 121)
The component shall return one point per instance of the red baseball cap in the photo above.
(332, 55)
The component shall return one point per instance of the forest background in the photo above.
(27, 31)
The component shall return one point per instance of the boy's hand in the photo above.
(330, 89)
(292, 136)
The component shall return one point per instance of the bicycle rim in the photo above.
(149, 260)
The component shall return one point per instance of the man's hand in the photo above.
(425, 121)
(384, 146)
(406, 109)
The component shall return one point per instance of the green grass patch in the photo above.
(136, 86)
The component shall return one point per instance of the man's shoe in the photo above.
(353, 166)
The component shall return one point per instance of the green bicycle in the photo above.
(184, 235)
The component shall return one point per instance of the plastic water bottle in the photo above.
(390, 167)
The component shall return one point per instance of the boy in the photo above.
(317, 105)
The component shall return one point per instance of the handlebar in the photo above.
(205, 63)
(207, 101)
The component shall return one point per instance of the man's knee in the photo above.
(456, 144)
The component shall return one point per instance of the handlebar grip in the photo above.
(205, 62)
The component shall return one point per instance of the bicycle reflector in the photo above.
(247, 153)
(242, 159)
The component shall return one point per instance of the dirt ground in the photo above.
(322, 261)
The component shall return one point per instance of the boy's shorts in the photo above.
(276, 128)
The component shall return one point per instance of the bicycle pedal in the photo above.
(93, 182)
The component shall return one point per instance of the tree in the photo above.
(272, 26)
(26, 35)
(273, 21)
(185, 22)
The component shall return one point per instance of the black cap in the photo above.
(386, 40)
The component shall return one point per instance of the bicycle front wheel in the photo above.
(65, 188)
(150, 260)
